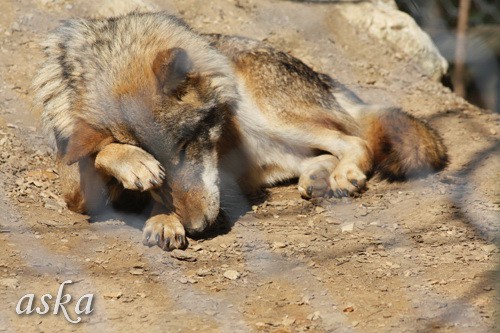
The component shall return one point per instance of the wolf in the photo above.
(141, 108)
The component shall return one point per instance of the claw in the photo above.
(355, 183)
(309, 190)
(139, 185)
(166, 244)
(180, 240)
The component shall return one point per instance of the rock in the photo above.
(314, 316)
(183, 255)
(9, 282)
(287, 321)
(231, 274)
(278, 245)
(319, 209)
(348, 309)
(112, 295)
(136, 271)
(348, 227)
(203, 272)
(490, 248)
(387, 23)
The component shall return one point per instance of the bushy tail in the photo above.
(403, 146)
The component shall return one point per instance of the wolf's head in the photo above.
(178, 116)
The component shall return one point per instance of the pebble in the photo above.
(203, 272)
(278, 245)
(231, 274)
(9, 282)
(287, 321)
(348, 227)
(183, 255)
(319, 210)
(136, 271)
(112, 295)
(314, 316)
(490, 248)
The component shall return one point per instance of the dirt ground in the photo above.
(419, 256)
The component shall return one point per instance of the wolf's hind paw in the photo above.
(346, 180)
(314, 184)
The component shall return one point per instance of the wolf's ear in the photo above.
(171, 67)
(85, 141)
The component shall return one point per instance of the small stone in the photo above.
(348, 309)
(112, 295)
(9, 283)
(319, 209)
(348, 227)
(136, 271)
(490, 248)
(183, 255)
(278, 245)
(203, 272)
(287, 321)
(314, 316)
(493, 131)
(231, 274)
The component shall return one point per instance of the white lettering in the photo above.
(60, 303)
(83, 306)
(45, 305)
(29, 308)
(88, 306)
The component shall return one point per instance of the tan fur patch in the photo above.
(85, 141)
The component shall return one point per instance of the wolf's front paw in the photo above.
(166, 231)
(132, 166)
(346, 180)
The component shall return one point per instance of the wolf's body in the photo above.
(141, 98)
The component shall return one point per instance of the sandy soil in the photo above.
(420, 256)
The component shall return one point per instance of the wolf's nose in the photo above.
(196, 227)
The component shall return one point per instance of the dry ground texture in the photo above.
(420, 256)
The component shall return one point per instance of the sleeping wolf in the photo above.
(141, 104)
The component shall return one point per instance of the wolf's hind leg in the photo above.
(83, 188)
(355, 158)
(132, 166)
(314, 178)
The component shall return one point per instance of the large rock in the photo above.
(382, 20)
